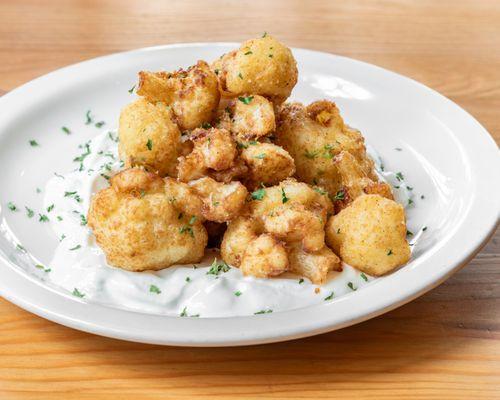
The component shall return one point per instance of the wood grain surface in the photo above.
(445, 345)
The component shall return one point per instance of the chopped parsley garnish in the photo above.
(38, 190)
(50, 208)
(301, 280)
(338, 231)
(422, 197)
(66, 130)
(320, 191)
(239, 75)
(258, 194)
(246, 100)
(390, 253)
(252, 142)
(237, 293)
(59, 175)
(409, 187)
(409, 233)
(83, 220)
(398, 149)
(149, 144)
(114, 139)
(242, 145)
(188, 279)
(187, 229)
(63, 236)
(154, 289)
(43, 218)
(424, 228)
(400, 176)
(185, 314)
(284, 199)
(264, 34)
(78, 246)
(34, 143)
(261, 156)
(216, 70)
(270, 55)
(131, 90)
(311, 154)
(180, 215)
(40, 266)
(77, 293)
(100, 124)
(248, 52)
(410, 202)
(192, 220)
(29, 212)
(59, 218)
(365, 278)
(218, 267)
(21, 248)
(351, 286)
(11, 206)
(82, 156)
(206, 125)
(88, 117)
(74, 195)
(269, 311)
(329, 297)
(340, 195)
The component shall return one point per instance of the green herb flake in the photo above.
(261, 156)
(59, 218)
(188, 279)
(410, 202)
(398, 149)
(38, 190)
(258, 194)
(29, 212)
(11, 206)
(192, 220)
(399, 176)
(422, 197)
(390, 253)
(88, 118)
(320, 191)
(149, 144)
(50, 208)
(270, 55)
(364, 277)
(43, 218)
(424, 228)
(66, 130)
(264, 34)
(409, 188)
(154, 289)
(269, 311)
(77, 247)
(131, 90)
(206, 125)
(21, 248)
(329, 297)
(301, 281)
(246, 100)
(238, 293)
(34, 143)
(42, 267)
(351, 286)
(284, 199)
(187, 229)
(311, 154)
(409, 233)
(239, 75)
(99, 124)
(248, 53)
(218, 267)
(77, 293)
(340, 195)
(83, 220)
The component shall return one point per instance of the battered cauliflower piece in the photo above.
(248, 117)
(221, 202)
(192, 94)
(355, 182)
(142, 223)
(265, 257)
(313, 136)
(214, 149)
(370, 235)
(314, 266)
(289, 217)
(149, 137)
(268, 164)
(262, 66)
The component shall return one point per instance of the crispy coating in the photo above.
(313, 265)
(192, 94)
(355, 182)
(262, 66)
(239, 234)
(268, 164)
(264, 257)
(149, 137)
(222, 202)
(248, 117)
(214, 149)
(144, 223)
(370, 234)
(313, 136)
(294, 215)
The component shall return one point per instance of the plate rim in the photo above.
(40, 302)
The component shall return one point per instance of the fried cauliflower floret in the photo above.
(314, 266)
(239, 234)
(221, 201)
(141, 224)
(264, 257)
(370, 234)
(262, 66)
(268, 164)
(248, 117)
(214, 149)
(355, 182)
(291, 215)
(149, 137)
(313, 136)
(192, 94)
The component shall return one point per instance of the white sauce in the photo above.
(181, 290)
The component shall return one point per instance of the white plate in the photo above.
(448, 157)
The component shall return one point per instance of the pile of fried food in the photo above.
(214, 154)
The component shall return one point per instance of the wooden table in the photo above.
(445, 345)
